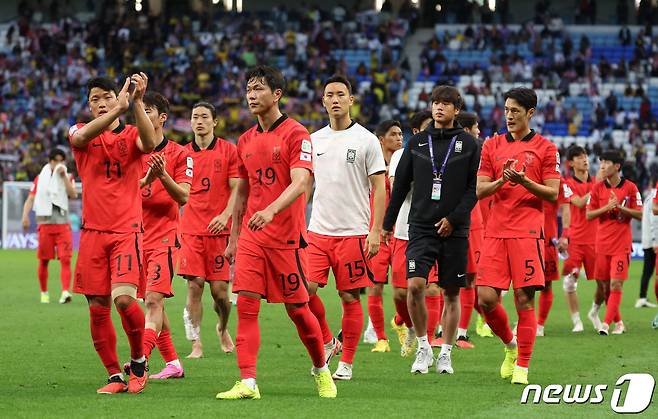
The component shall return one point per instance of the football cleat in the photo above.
(343, 372)
(540, 331)
(482, 329)
(444, 364)
(409, 344)
(115, 384)
(239, 391)
(593, 316)
(507, 367)
(619, 328)
(381, 346)
(464, 342)
(370, 336)
(578, 327)
(65, 298)
(45, 298)
(642, 302)
(424, 360)
(169, 371)
(401, 331)
(604, 329)
(520, 375)
(136, 383)
(325, 385)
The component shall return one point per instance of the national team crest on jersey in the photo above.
(123, 147)
(276, 154)
(458, 146)
(351, 155)
(217, 165)
(412, 265)
(529, 158)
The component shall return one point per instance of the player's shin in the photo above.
(132, 319)
(317, 308)
(526, 331)
(42, 273)
(248, 336)
(309, 332)
(104, 337)
(376, 312)
(352, 327)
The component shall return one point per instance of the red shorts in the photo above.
(158, 271)
(203, 257)
(475, 238)
(399, 265)
(105, 259)
(612, 267)
(579, 255)
(381, 262)
(516, 261)
(278, 275)
(551, 262)
(55, 242)
(346, 258)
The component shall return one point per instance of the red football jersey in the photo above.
(387, 183)
(477, 222)
(581, 231)
(515, 212)
(110, 167)
(551, 210)
(160, 211)
(210, 191)
(266, 159)
(614, 236)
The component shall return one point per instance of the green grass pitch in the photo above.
(50, 368)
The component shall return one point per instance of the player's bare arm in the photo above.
(631, 212)
(219, 223)
(147, 137)
(147, 179)
(27, 207)
(242, 192)
(93, 129)
(68, 183)
(595, 213)
(579, 201)
(179, 192)
(299, 179)
(378, 185)
(487, 187)
(548, 190)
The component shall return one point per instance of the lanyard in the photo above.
(439, 174)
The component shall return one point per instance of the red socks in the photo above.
(376, 312)
(65, 274)
(42, 273)
(104, 337)
(317, 308)
(433, 303)
(166, 346)
(132, 319)
(352, 326)
(612, 307)
(309, 332)
(499, 323)
(402, 313)
(545, 304)
(467, 301)
(150, 340)
(248, 337)
(526, 332)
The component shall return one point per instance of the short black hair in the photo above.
(208, 106)
(418, 118)
(447, 94)
(56, 152)
(384, 126)
(337, 78)
(157, 101)
(272, 76)
(102, 83)
(524, 96)
(467, 119)
(574, 151)
(612, 155)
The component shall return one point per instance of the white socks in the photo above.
(445, 349)
(175, 363)
(575, 318)
(139, 360)
(249, 382)
(321, 369)
(461, 332)
(423, 342)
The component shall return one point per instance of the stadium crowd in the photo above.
(192, 57)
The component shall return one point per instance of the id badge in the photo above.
(436, 190)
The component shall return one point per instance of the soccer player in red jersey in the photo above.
(389, 133)
(579, 237)
(205, 226)
(614, 202)
(469, 121)
(51, 204)
(551, 260)
(519, 169)
(276, 163)
(109, 158)
(165, 187)
(348, 163)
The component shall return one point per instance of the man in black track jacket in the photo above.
(441, 163)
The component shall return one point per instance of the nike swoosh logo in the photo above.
(95, 145)
(246, 156)
(319, 154)
(120, 275)
(421, 144)
(461, 275)
(526, 279)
